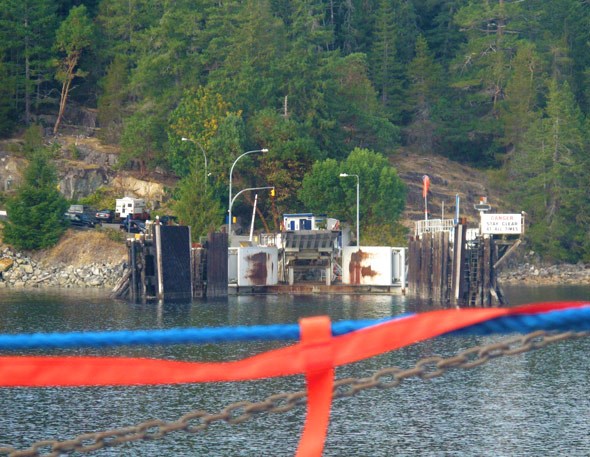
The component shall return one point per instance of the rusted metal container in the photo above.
(254, 266)
(373, 265)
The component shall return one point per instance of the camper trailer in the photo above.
(131, 206)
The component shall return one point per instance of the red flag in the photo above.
(425, 185)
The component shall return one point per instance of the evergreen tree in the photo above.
(305, 86)
(425, 78)
(112, 101)
(247, 76)
(352, 21)
(518, 109)
(491, 33)
(75, 34)
(142, 141)
(122, 23)
(196, 206)
(436, 21)
(27, 29)
(36, 211)
(7, 114)
(549, 174)
(481, 70)
(167, 58)
(386, 68)
(563, 30)
(291, 153)
(355, 106)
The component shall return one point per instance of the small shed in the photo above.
(309, 221)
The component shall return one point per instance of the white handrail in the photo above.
(434, 225)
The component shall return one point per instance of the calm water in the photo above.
(534, 404)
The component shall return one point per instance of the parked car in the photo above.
(105, 215)
(132, 226)
(80, 220)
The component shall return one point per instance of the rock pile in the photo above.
(18, 270)
(530, 273)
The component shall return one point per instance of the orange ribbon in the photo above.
(25, 371)
(316, 334)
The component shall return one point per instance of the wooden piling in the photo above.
(460, 273)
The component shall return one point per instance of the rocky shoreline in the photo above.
(20, 271)
(17, 270)
(534, 274)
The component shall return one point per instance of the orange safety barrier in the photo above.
(44, 371)
(315, 356)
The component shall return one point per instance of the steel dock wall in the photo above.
(217, 263)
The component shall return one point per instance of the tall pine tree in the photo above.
(27, 29)
(36, 211)
(425, 78)
(549, 174)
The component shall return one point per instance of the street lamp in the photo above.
(230, 181)
(358, 237)
(244, 190)
(204, 155)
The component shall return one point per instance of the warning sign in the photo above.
(501, 223)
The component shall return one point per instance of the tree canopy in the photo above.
(311, 80)
(36, 211)
(331, 188)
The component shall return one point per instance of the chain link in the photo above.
(242, 411)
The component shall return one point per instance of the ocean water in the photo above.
(532, 404)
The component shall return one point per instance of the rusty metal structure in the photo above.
(164, 266)
(374, 266)
(253, 266)
(308, 255)
(160, 265)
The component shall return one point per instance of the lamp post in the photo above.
(204, 155)
(358, 237)
(244, 190)
(231, 170)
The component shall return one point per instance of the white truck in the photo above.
(131, 206)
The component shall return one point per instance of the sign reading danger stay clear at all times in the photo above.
(501, 223)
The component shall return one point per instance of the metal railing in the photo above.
(433, 226)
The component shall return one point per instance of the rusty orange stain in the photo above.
(357, 270)
(257, 273)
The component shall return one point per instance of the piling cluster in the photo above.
(19, 271)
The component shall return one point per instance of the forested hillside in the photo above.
(496, 84)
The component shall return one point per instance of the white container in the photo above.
(373, 266)
(254, 266)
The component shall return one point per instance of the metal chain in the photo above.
(236, 413)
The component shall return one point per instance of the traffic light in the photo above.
(273, 193)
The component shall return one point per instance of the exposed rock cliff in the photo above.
(84, 166)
